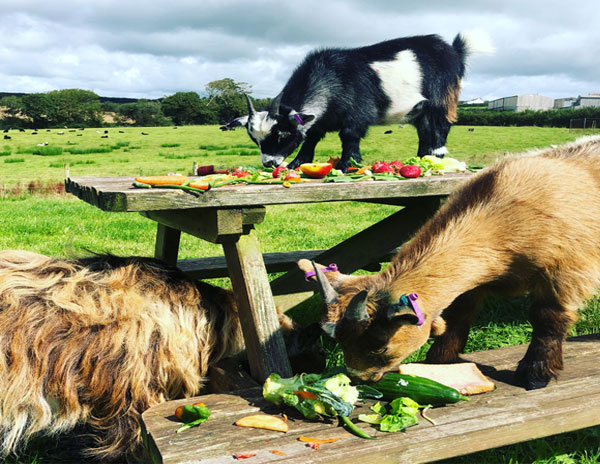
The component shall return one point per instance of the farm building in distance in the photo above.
(521, 103)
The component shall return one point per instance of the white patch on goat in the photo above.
(401, 80)
(260, 125)
(440, 151)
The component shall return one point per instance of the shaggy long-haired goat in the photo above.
(98, 340)
(527, 224)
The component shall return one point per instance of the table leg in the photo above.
(258, 316)
(166, 247)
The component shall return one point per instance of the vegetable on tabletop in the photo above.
(420, 389)
(316, 170)
(333, 396)
(192, 415)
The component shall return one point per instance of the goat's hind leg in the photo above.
(458, 317)
(544, 360)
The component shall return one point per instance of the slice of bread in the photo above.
(465, 377)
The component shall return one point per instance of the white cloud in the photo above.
(152, 48)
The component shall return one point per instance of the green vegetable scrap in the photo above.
(314, 395)
(402, 414)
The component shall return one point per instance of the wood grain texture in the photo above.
(258, 316)
(507, 415)
(118, 194)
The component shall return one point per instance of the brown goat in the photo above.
(98, 340)
(530, 223)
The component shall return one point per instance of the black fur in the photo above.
(350, 97)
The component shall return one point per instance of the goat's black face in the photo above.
(276, 136)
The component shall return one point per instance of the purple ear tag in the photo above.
(331, 267)
(298, 119)
(410, 300)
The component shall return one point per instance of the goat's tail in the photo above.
(473, 41)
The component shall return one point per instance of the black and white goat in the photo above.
(348, 90)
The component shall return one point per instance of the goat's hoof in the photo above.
(530, 381)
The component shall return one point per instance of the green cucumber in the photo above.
(420, 389)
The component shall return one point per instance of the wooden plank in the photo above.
(282, 261)
(210, 224)
(258, 316)
(507, 415)
(117, 194)
(361, 249)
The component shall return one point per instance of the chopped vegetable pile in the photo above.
(209, 177)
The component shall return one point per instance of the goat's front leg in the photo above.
(458, 317)
(350, 149)
(307, 150)
(544, 360)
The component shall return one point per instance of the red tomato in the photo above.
(292, 176)
(381, 166)
(410, 170)
(240, 173)
(279, 171)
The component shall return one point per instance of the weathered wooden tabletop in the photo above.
(507, 415)
(118, 194)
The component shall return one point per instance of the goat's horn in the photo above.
(274, 108)
(250, 107)
(328, 293)
(357, 308)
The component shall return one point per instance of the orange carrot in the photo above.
(304, 395)
(277, 452)
(162, 180)
(199, 185)
(319, 440)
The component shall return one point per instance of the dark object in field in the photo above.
(145, 133)
(96, 341)
(348, 90)
(7, 137)
(388, 132)
(529, 224)
(205, 170)
(471, 129)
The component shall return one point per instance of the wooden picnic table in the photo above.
(228, 215)
(507, 415)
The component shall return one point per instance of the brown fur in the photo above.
(451, 102)
(99, 340)
(527, 224)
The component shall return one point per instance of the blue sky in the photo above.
(151, 48)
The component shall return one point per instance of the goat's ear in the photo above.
(335, 278)
(438, 326)
(237, 122)
(401, 314)
(300, 119)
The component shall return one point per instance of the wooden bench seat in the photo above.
(216, 267)
(507, 415)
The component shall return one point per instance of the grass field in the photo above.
(61, 225)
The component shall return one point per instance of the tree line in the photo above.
(222, 101)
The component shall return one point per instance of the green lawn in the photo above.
(61, 225)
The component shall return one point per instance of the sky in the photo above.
(154, 48)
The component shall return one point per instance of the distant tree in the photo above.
(36, 106)
(74, 107)
(145, 113)
(183, 107)
(13, 116)
(227, 97)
